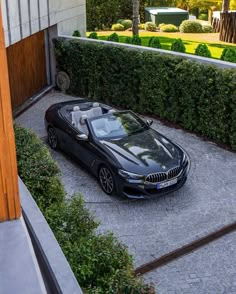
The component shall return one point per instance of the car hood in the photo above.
(144, 152)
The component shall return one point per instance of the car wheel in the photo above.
(52, 138)
(106, 180)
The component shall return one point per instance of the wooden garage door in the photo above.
(27, 68)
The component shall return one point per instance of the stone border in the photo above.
(200, 59)
(56, 271)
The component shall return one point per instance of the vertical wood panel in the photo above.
(27, 68)
(9, 193)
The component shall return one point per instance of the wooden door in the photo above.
(27, 68)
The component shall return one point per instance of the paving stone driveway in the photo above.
(154, 227)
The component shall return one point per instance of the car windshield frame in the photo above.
(143, 125)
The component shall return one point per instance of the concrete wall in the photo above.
(22, 18)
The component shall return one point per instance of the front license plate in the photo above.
(166, 184)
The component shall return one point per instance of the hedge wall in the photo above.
(198, 97)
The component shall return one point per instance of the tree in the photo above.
(225, 5)
(135, 17)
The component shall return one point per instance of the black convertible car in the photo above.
(126, 155)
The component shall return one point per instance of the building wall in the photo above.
(22, 18)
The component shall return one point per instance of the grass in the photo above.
(190, 41)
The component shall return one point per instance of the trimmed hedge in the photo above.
(178, 46)
(100, 262)
(199, 97)
(229, 54)
(93, 35)
(168, 28)
(203, 50)
(113, 37)
(117, 27)
(150, 26)
(190, 26)
(154, 42)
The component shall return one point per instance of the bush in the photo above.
(154, 42)
(76, 34)
(229, 54)
(161, 25)
(93, 35)
(100, 263)
(141, 26)
(178, 46)
(202, 50)
(168, 28)
(37, 169)
(150, 26)
(126, 23)
(199, 97)
(207, 28)
(117, 27)
(135, 40)
(113, 38)
(190, 26)
(203, 16)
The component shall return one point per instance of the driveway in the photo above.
(155, 227)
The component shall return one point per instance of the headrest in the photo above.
(83, 118)
(95, 104)
(111, 110)
(76, 108)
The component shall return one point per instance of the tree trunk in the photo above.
(135, 17)
(225, 5)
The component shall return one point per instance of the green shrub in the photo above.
(150, 26)
(168, 28)
(37, 169)
(178, 46)
(113, 38)
(229, 54)
(76, 34)
(117, 27)
(190, 26)
(141, 26)
(161, 25)
(207, 28)
(128, 40)
(203, 16)
(199, 97)
(93, 35)
(202, 50)
(135, 40)
(126, 23)
(154, 42)
(100, 262)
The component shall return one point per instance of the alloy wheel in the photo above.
(106, 180)
(52, 138)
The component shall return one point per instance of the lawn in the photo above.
(190, 40)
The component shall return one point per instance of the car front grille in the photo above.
(163, 176)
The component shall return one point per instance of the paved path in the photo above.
(154, 227)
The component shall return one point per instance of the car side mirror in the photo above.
(82, 137)
(149, 122)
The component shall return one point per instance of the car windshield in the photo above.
(116, 125)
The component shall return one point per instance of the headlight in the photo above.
(131, 177)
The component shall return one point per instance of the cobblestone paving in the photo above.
(154, 227)
(210, 269)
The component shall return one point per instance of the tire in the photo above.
(106, 180)
(52, 138)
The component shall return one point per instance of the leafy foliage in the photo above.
(150, 26)
(76, 34)
(113, 38)
(100, 263)
(203, 16)
(199, 97)
(178, 46)
(37, 169)
(207, 28)
(93, 35)
(127, 23)
(135, 40)
(117, 27)
(202, 50)
(154, 42)
(168, 28)
(229, 54)
(190, 26)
